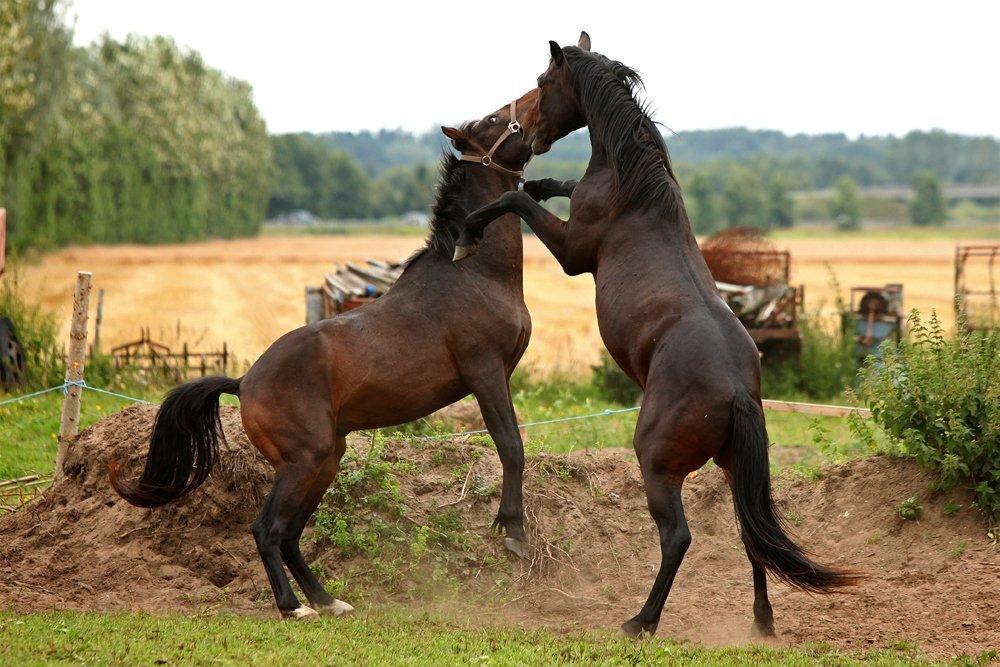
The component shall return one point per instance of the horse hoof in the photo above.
(338, 608)
(301, 613)
(464, 252)
(634, 629)
(517, 547)
(762, 631)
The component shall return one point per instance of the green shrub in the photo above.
(612, 383)
(938, 401)
(824, 369)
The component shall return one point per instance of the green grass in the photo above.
(384, 636)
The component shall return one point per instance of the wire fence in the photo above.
(779, 406)
(65, 387)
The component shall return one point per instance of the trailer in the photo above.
(754, 279)
(350, 286)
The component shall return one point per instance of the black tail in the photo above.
(761, 525)
(183, 446)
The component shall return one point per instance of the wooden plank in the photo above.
(815, 409)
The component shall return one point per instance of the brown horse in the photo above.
(442, 332)
(661, 319)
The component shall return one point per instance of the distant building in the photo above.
(297, 218)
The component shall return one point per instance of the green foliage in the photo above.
(780, 207)
(928, 205)
(364, 503)
(137, 141)
(825, 367)
(910, 509)
(845, 206)
(700, 196)
(612, 384)
(743, 202)
(938, 400)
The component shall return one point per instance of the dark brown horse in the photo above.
(661, 319)
(442, 332)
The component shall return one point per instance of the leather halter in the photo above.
(513, 127)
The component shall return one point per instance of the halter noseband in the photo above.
(513, 127)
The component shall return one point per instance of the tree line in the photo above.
(132, 141)
(140, 141)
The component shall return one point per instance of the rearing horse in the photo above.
(661, 319)
(441, 333)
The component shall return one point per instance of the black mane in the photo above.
(607, 91)
(449, 212)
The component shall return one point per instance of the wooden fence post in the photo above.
(98, 318)
(70, 424)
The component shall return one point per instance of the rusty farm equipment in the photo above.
(754, 280)
(977, 297)
(151, 356)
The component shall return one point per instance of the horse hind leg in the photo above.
(277, 515)
(663, 496)
(321, 600)
(763, 615)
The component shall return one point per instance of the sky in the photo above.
(873, 67)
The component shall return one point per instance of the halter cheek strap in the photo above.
(513, 127)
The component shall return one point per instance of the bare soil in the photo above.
(81, 547)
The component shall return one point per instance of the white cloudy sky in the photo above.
(873, 66)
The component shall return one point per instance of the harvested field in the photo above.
(932, 581)
(250, 291)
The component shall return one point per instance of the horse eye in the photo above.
(493, 120)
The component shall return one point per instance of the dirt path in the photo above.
(933, 582)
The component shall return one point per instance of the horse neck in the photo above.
(661, 229)
(501, 249)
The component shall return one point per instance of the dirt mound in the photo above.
(933, 581)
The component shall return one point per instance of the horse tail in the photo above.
(184, 444)
(762, 527)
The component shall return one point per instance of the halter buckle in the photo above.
(487, 160)
(514, 127)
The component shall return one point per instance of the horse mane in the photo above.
(608, 94)
(449, 212)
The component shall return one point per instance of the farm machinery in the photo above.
(754, 280)
(875, 315)
(12, 364)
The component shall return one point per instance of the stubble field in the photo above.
(248, 292)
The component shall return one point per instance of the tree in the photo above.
(845, 206)
(701, 194)
(928, 205)
(742, 200)
(780, 207)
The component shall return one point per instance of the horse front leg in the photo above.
(493, 396)
(550, 229)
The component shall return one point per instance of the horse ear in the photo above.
(557, 54)
(453, 133)
(584, 41)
